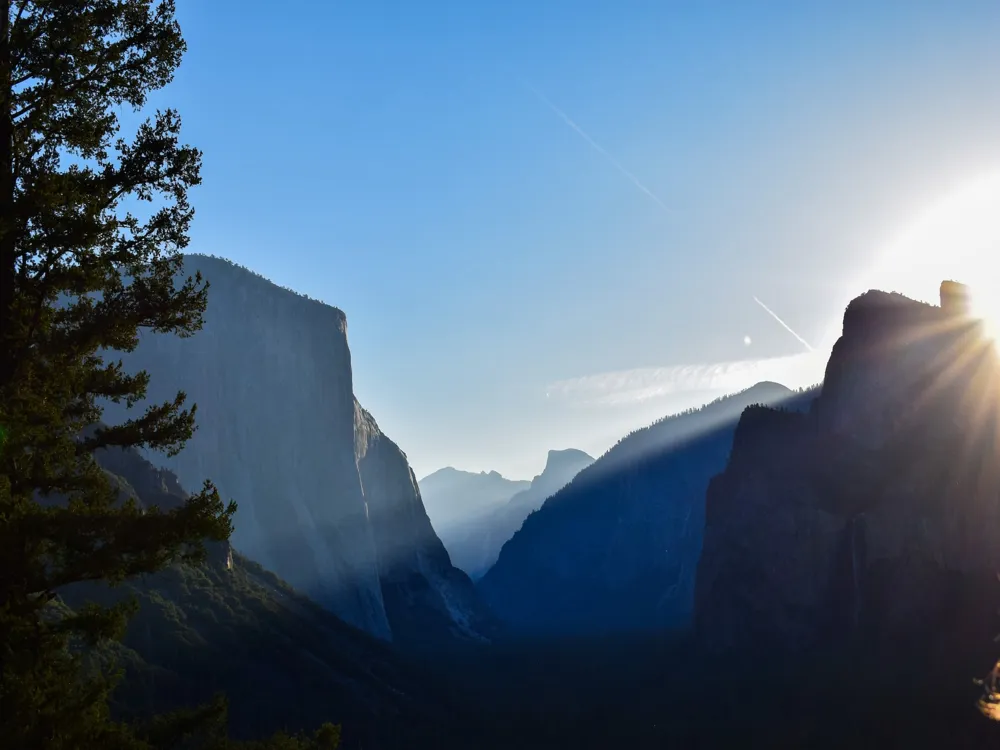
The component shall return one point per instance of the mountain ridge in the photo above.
(617, 547)
(872, 513)
(453, 496)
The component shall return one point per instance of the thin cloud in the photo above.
(625, 387)
(600, 149)
(784, 325)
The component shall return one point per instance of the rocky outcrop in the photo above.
(875, 513)
(279, 432)
(426, 599)
(617, 548)
(476, 542)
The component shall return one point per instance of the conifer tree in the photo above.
(82, 274)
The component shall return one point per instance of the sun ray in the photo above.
(958, 238)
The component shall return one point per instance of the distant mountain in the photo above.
(475, 542)
(617, 548)
(230, 625)
(326, 500)
(452, 496)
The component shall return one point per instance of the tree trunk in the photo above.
(7, 185)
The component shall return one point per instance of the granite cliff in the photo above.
(426, 598)
(326, 501)
(875, 513)
(617, 548)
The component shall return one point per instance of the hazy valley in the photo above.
(835, 534)
(475, 535)
(669, 416)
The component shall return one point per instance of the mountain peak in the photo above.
(557, 460)
(767, 385)
(768, 391)
(447, 471)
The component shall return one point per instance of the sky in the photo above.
(552, 222)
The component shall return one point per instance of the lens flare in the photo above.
(985, 305)
(955, 238)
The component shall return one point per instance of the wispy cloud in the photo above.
(625, 387)
(600, 149)
(783, 324)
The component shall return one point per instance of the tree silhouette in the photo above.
(81, 274)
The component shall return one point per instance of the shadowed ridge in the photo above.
(872, 516)
(616, 549)
(230, 625)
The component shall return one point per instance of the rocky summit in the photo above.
(874, 513)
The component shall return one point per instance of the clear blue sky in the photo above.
(390, 158)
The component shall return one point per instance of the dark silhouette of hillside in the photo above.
(475, 542)
(617, 548)
(283, 661)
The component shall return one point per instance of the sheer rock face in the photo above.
(279, 432)
(876, 511)
(617, 548)
(425, 597)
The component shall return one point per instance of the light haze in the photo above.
(524, 273)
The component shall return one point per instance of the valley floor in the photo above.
(285, 663)
(660, 692)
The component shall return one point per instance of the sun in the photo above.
(985, 305)
(957, 238)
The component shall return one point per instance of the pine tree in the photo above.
(80, 275)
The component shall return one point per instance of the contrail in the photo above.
(784, 325)
(617, 164)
